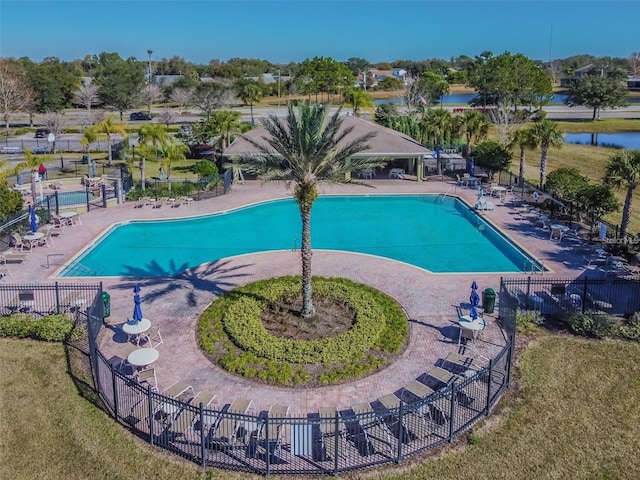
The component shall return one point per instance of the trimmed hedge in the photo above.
(242, 321)
(53, 328)
(230, 331)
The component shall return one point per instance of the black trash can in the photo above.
(106, 299)
(488, 300)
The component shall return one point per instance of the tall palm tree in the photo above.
(251, 93)
(522, 139)
(475, 127)
(110, 127)
(307, 149)
(439, 123)
(155, 135)
(623, 170)
(173, 151)
(546, 134)
(225, 123)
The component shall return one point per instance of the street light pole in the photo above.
(278, 88)
(149, 52)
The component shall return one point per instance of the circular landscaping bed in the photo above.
(256, 331)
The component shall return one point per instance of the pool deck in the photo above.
(174, 304)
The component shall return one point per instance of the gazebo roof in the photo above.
(386, 142)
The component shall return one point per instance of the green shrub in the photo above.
(230, 331)
(630, 329)
(527, 320)
(596, 325)
(53, 328)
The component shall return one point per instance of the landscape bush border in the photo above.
(230, 330)
(52, 328)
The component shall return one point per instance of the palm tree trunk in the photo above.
(521, 172)
(34, 172)
(543, 168)
(142, 166)
(626, 212)
(109, 149)
(308, 310)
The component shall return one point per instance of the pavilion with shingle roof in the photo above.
(386, 143)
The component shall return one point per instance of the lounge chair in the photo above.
(191, 418)
(46, 241)
(142, 201)
(331, 439)
(376, 435)
(462, 362)
(170, 410)
(71, 302)
(556, 233)
(55, 186)
(274, 432)
(438, 378)
(11, 256)
(160, 202)
(412, 422)
(418, 389)
(226, 431)
(484, 205)
(19, 243)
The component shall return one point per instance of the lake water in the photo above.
(460, 98)
(629, 140)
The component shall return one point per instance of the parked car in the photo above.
(40, 149)
(42, 132)
(140, 116)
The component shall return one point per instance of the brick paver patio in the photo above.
(174, 304)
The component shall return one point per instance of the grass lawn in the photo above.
(576, 414)
(590, 161)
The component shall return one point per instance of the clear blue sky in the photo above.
(284, 31)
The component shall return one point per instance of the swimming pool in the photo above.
(440, 234)
(75, 198)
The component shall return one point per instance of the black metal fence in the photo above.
(319, 443)
(556, 295)
(38, 300)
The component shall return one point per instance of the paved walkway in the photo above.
(174, 304)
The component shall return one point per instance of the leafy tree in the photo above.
(309, 150)
(597, 201)
(523, 140)
(89, 136)
(15, 94)
(357, 65)
(566, 183)
(10, 201)
(474, 126)
(386, 114)
(597, 92)
(119, 81)
(435, 86)
(623, 171)
(546, 134)
(109, 128)
(481, 76)
(250, 93)
(323, 75)
(206, 169)
(359, 99)
(439, 123)
(389, 84)
(492, 156)
(53, 84)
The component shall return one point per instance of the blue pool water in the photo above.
(75, 198)
(435, 233)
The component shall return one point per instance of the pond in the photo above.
(459, 98)
(628, 140)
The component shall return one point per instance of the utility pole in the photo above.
(278, 88)
(149, 52)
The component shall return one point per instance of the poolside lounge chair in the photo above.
(11, 256)
(191, 418)
(170, 410)
(142, 201)
(462, 362)
(413, 423)
(331, 439)
(376, 435)
(484, 205)
(417, 389)
(225, 432)
(19, 243)
(438, 378)
(161, 202)
(274, 432)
